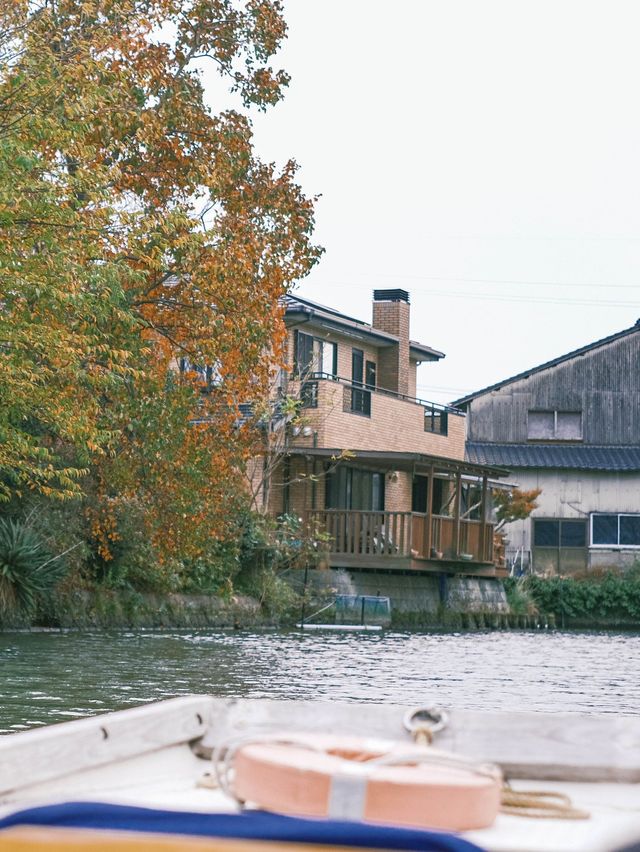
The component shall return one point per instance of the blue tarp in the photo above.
(251, 825)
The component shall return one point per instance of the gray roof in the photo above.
(321, 314)
(559, 456)
(605, 341)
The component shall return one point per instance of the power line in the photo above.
(498, 297)
(502, 281)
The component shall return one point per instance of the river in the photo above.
(54, 676)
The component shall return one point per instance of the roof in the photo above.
(558, 456)
(402, 460)
(605, 341)
(322, 315)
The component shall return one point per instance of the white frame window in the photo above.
(554, 425)
(623, 530)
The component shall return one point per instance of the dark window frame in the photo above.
(559, 545)
(303, 345)
(342, 477)
(436, 420)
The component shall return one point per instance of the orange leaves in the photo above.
(514, 505)
(142, 229)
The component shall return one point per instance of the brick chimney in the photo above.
(391, 313)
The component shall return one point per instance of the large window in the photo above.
(355, 488)
(554, 426)
(560, 533)
(559, 545)
(615, 530)
(313, 355)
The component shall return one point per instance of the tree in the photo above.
(514, 505)
(138, 228)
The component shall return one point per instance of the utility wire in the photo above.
(496, 297)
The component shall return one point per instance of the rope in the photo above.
(423, 722)
(539, 804)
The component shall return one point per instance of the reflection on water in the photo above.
(49, 677)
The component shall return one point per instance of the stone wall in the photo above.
(428, 600)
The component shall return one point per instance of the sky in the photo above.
(483, 155)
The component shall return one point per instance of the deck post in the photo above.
(456, 537)
(483, 520)
(426, 537)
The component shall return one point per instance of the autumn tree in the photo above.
(140, 233)
(514, 505)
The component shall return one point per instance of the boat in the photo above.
(153, 764)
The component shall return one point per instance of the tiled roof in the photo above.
(321, 313)
(605, 341)
(567, 457)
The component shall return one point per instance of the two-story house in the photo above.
(380, 470)
(570, 427)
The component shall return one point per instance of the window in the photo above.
(209, 375)
(357, 366)
(370, 375)
(615, 530)
(309, 395)
(559, 545)
(435, 420)
(354, 488)
(560, 533)
(554, 426)
(314, 355)
(357, 401)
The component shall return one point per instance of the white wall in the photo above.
(575, 495)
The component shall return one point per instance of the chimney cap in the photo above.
(390, 296)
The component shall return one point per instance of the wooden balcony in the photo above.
(405, 540)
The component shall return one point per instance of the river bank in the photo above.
(418, 602)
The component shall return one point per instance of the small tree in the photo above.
(514, 505)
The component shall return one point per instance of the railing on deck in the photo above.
(363, 533)
(405, 534)
(442, 542)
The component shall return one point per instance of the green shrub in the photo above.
(609, 596)
(27, 571)
(519, 597)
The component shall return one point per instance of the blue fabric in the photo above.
(251, 825)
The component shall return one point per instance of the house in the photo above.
(570, 427)
(381, 471)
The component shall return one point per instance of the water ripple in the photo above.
(48, 677)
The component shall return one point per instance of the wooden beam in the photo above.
(483, 521)
(429, 519)
(456, 536)
(60, 750)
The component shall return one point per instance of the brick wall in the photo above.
(393, 317)
(395, 425)
(398, 491)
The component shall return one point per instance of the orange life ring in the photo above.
(343, 777)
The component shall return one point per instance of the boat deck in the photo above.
(147, 757)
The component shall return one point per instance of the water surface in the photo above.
(53, 676)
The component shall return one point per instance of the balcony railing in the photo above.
(357, 399)
(405, 534)
(362, 533)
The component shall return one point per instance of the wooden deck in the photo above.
(407, 541)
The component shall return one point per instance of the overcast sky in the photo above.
(482, 154)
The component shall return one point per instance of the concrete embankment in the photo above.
(104, 609)
(429, 601)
